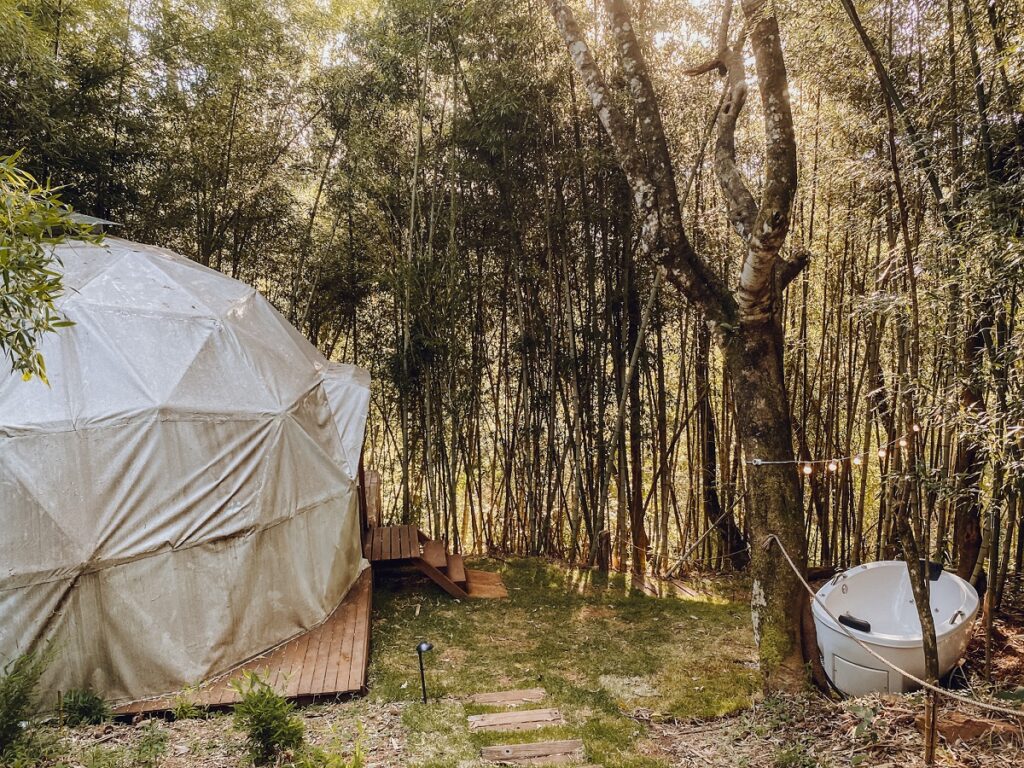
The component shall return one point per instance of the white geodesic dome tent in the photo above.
(183, 496)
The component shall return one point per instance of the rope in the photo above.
(929, 686)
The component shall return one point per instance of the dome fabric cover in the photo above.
(182, 497)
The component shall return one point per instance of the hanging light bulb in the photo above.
(916, 427)
(881, 453)
(833, 465)
(807, 469)
(857, 460)
(903, 442)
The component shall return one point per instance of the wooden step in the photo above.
(456, 569)
(433, 553)
(484, 584)
(556, 751)
(521, 720)
(509, 698)
(440, 579)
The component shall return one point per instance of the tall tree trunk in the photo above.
(745, 320)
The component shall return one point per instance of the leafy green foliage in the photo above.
(145, 753)
(266, 718)
(32, 219)
(18, 685)
(185, 707)
(84, 707)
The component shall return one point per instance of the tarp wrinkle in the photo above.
(184, 496)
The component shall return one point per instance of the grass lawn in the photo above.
(617, 663)
(602, 652)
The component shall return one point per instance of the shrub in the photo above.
(267, 719)
(185, 707)
(84, 707)
(36, 747)
(18, 684)
(151, 747)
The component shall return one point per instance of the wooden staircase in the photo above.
(400, 546)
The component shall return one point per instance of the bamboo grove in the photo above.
(422, 187)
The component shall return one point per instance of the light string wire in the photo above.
(832, 464)
(1017, 713)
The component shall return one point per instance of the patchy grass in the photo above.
(617, 663)
(602, 651)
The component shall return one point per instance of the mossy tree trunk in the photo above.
(744, 319)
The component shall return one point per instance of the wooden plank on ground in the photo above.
(509, 698)
(434, 554)
(531, 751)
(484, 584)
(521, 720)
(456, 569)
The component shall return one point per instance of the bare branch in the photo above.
(741, 208)
(654, 188)
(710, 65)
(754, 293)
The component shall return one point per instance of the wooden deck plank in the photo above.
(396, 545)
(329, 673)
(361, 639)
(315, 656)
(412, 545)
(318, 662)
(396, 535)
(344, 651)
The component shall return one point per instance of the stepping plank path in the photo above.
(541, 753)
(522, 720)
(537, 753)
(508, 698)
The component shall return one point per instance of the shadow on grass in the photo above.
(601, 650)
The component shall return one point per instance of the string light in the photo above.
(806, 467)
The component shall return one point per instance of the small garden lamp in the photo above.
(422, 648)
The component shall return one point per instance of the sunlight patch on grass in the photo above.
(578, 635)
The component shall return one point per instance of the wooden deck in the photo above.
(392, 542)
(405, 546)
(326, 661)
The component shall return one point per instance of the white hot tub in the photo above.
(876, 604)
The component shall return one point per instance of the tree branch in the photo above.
(654, 189)
(755, 293)
(741, 209)
(789, 270)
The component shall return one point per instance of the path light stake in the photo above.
(422, 648)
